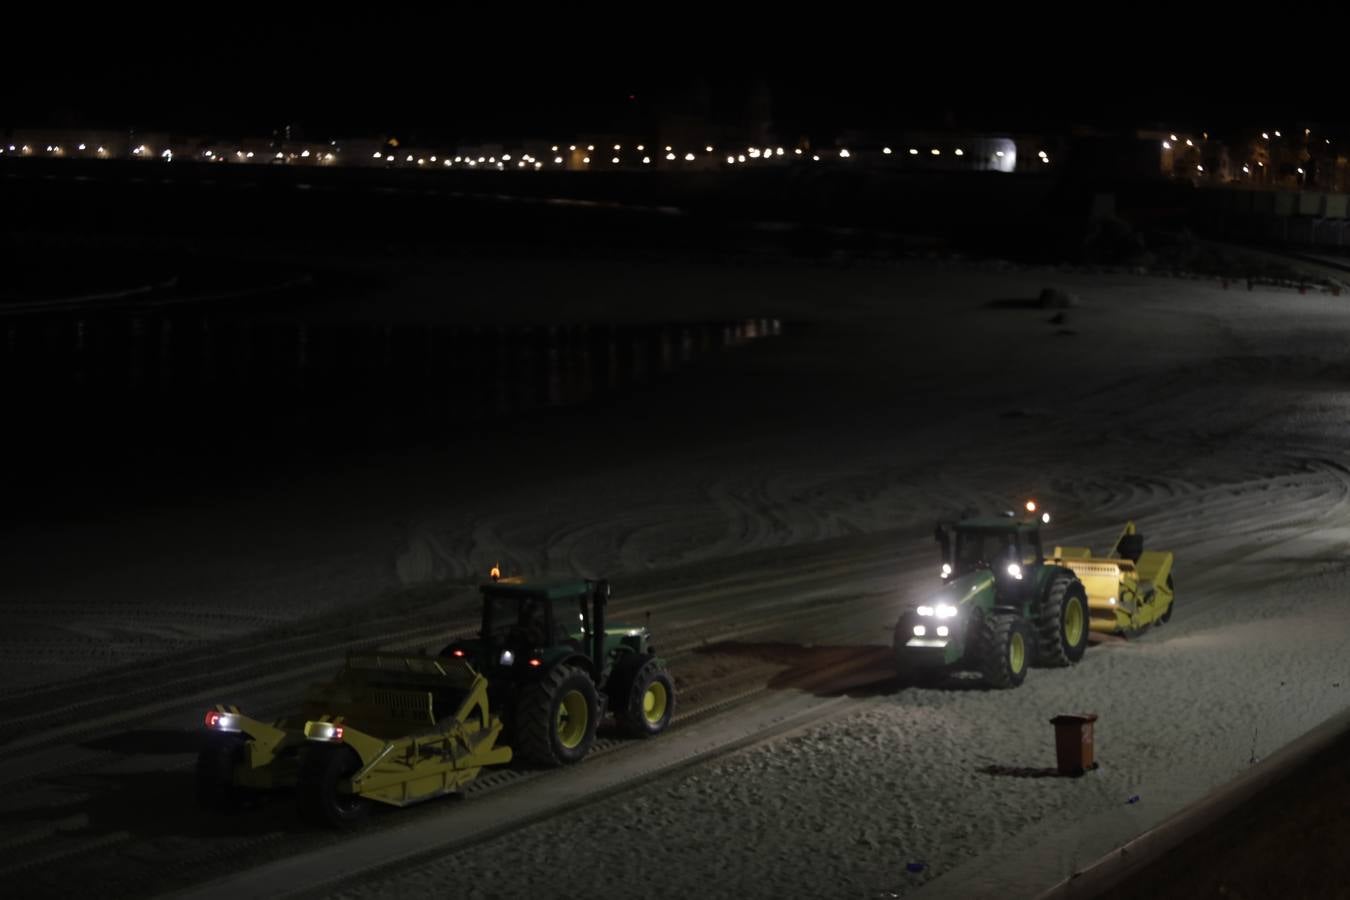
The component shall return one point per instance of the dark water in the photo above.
(164, 382)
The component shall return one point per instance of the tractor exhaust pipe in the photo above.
(599, 599)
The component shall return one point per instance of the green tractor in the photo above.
(1002, 608)
(555, 667)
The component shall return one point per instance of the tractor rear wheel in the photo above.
(647, 700)
(1006, 646)
(317, 797)
(1171, 604)
(1062, 623)
(555, 718)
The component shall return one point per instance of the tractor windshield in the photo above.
(982, 549)
(511, 618)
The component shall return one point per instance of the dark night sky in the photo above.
(459, 76)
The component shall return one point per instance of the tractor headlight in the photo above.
(946, 570)
(942, 631)
(920, 631)
(925, 610)
(945, 611)
(1015, 571)
(508, 657)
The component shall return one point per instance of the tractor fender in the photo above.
(577, 661)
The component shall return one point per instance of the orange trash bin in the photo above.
(1073, 743)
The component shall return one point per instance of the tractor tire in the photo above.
(317, 798)
(214, 777)
(1006, 647)
(555, 719)
(646, 700)
(1062, 623)
(1167, 616)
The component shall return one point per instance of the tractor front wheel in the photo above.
(1007, 643)
(1171, 604)
(555, 718)
(317, 798)
(1062, 623)
(648, 700)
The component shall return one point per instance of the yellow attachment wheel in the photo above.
(573, 717)
(1073, 621)
(654, 702)
(1017, 652)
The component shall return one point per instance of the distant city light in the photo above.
(555, 148)
(1041, 154)
(731, 160)
(670, 156)
(843, 154)
(646, 160)
(1167, 145)
(740, 157)
(689, 157)
(935, 151)
(304, 154)
(447, 162)
(1277, 134)
(557, 160)
(1300, 170)
(590, 147)
(82, 146)
(640, 148)
(537, 165)
(410, 158)
(708, 149)
(959, 152)
(1202, 168)
(1264, 134)
(999, 154)
(667, 148)
(280, 155)
(506, 156)
(815, 158)
(617, 147)
(1189, 142)
(615, 160)
(1247, 170)
(586, 160)
(571, 146)
(798, 151)
(913, 151)
(886, 150)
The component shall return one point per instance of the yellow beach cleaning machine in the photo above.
(1129, 589)
(389, 729)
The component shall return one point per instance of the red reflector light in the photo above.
(456, 652)
(212, 718)
(534, 662)
(337, 732)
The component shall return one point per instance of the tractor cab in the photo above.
(539, 622)
(1005, 546)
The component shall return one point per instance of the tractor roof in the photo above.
(997, 523)
(552, 588)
